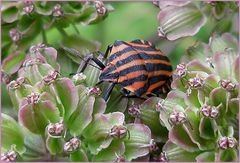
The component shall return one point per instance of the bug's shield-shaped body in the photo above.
(139, 67)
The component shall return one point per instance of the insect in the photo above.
(137, 66)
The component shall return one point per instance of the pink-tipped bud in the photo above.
(228, 85)
(118, 132)
(153, 146)
(196, 82)
(33, 98)
(37, 48)
(9, 156)
(209, 111)
(159, 106)
(134, 111)
(94, 91)
(181, 70)
(57, 11)
(101, 9)
(72, 145)
(50, 78)
(15, 84)
(28, 6)
(226, 142)
(177, 118)
(15, 35)
(56, 129)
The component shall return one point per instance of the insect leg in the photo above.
(108, 92)
(109, 48)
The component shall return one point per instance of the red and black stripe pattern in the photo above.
(139, 67)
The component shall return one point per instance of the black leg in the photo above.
(108, 92)
(109, 49)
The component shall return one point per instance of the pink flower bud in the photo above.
(227, 84)
(209, 111)
(159, 106)
(55, 129)
(196, 82)
(15, 35)
(94, 91)
(33, 98)
(153, 146)
(9, 156)
(177, 118)
(181, 70)
(226, 142)
(134, 111)
(16, 84)
(37, 48)
(118, 132)
(57, 11)
(101, 10)
(72, 145)
(50, 78)
(28, 7)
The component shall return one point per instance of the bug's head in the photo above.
(109, 74)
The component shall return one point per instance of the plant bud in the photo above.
(28, 6)
(33, 98)
(57, 11)
(79, 77)
(227, 84)
(15, 35)
(50, 78)
(159, 106)
(72, 145)
(101, 10)
(94, 91)
(16, 84)
(209, 111)
(9, 156)
(226, 142)
(153, 146)
(196, 82)
(177, 118)
(118, 132)
(56, 129)
(134, 111)
(37, 48)
(181, 70)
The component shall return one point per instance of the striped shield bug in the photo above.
(137, 66)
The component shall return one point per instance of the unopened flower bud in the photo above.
(209, 111)
(177, 117)
(94, 91)
(33, 98)
(79, 77)
(56, 129)
(226, 142)
(28, 7)
(15, 35)
(72, 145)
(118, 132)
(134, 111)
(181, 70)
(50, 78)
(196, 82)
(57, 11)
(101, 9)
(16, 83)
(161, 158)
(227, 84)
(9, 156)
(153, 146)
(37, 48)
(33, 61)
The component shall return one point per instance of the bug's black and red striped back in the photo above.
(139, 67)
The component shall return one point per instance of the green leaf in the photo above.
(206, 157)
(54, 145)
(117, 148)
(137, 145)
(228, 155)
(207, 128)
(12, 134)
(176, 22)
(10, 14)
(79, 156)
(175, 153)
(12, 63)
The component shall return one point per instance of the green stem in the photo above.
(44, 37)
(62, 32)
